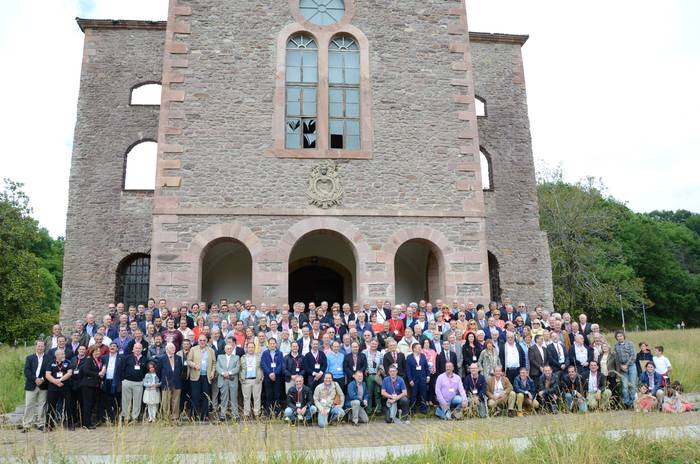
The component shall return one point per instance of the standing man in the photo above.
(201, 363)
(227, 367)
(133, 370)
(170, 368)
(537, 354)
(272, 363)
(315, 364)
(35, 388)
(626, 357)
(251, 380)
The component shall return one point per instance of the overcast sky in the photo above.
(613, 91)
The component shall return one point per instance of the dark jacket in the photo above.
(400, 362)
(310, 362)
(130, 346)
(468, 354)
(479, 386)
(352, 393)
(349, 368)
(553, 357)
(527, 386)
(536, 361)
(128, 369)
(170, 379)
(291, 365)
(307, 398)
(116, 385)
(553, 388)
(602, 380)
(644, 380)
(442, 359)
(90, 373)
(502, 354)
(567, 385)
(31, 363)
(77, 366)
(575, 362)
(416, 371)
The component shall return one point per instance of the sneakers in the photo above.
(448, 415)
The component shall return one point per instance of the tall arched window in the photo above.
(132, 280)
(302, 82)
(344, 92)
(140, 166)
(146, 94)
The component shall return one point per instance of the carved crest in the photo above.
(324, 185)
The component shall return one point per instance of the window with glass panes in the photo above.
(132, 280)
(301, 92)
(344, 93)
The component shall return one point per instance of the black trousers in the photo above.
(273, 394)
(512, 373)
(108, 408)
(186, 396)
(201, 393)
(91, 395)
(75, 408)
(57, 406)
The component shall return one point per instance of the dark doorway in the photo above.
(317, 284)
(494, 278)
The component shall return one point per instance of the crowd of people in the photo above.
(326, 363)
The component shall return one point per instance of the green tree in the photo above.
(29, 267)
(589, 270)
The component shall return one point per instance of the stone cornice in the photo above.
(160, 25)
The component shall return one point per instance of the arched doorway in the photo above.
(322, 268)
(494, 278)
(226, 271)
(417, 272)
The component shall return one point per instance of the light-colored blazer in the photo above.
(195, 357)
(233, 366)
(244, 368)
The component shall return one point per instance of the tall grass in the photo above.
(11, 378)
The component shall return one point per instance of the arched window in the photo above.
(344, 92)
(140, 169)
(132, 280)
(480, 106)
(146, 94)
(486, 171)
(322, 12)
(302, 80)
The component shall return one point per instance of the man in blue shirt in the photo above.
(272, 364)
(394, 390)
(335, 364)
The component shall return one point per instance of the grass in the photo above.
(11, 378)
(681, 347)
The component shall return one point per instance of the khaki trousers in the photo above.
(501, 402)
(603, 403)
(34, 408)
(170, 404)
(251, 388)
(521, 399)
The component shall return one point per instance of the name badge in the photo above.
(273, 365)
(419, 368)
(451, 390)
(59, 375)
(76, 372)
(474, 392)
(473, 358)
(396, 332)
(338, 368)
(137, 367)
(121, 351)
(317, 366)
(297, 369)
(298, 405)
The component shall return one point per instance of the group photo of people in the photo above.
(329, 364)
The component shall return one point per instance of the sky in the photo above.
(613, 92)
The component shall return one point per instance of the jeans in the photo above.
(454, 403)
(291, 414)
(580, 402)
(336, 412)
(629, 385)
(400, 407)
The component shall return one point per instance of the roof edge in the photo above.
(498, 38)
(120, 24)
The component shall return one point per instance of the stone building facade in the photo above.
(254, 202)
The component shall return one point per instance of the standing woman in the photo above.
(90, 385)
(470, 351)
(418, 377)
(488, 359)
(431, 356)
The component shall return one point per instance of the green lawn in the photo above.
(11, 377)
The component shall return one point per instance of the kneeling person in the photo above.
(500, 392)
(394, 390)
(358, 398)
(525, 392)
(597, 395)
(299, 402)
(450, 394)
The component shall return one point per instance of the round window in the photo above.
(322, 12)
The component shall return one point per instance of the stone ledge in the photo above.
(312, 212)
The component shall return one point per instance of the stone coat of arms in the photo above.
(324, 186)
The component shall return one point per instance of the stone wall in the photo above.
(106, 224)
(512, 226)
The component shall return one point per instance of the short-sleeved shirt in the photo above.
(58, 371)
(662, 364)
(393, 387)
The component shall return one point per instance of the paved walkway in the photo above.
(247, 438)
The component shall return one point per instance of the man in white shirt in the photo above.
(35, 388)
(512, 357)
(663, 365)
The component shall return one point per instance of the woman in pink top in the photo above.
(430, 355)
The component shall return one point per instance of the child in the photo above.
(151, 394)
(673, 403)
(663, 365)
(645, 401)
